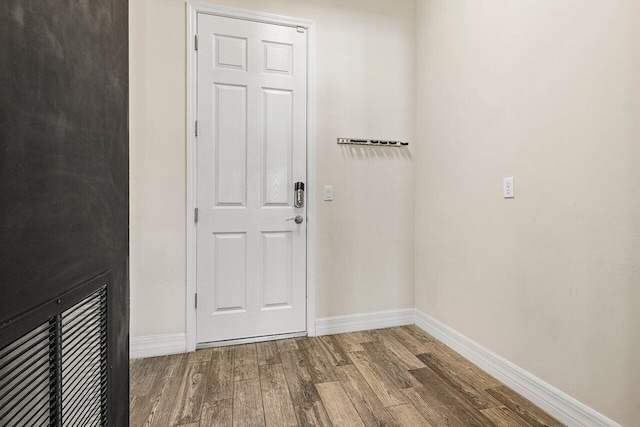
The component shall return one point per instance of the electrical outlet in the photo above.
(328, 193)
(509, 190)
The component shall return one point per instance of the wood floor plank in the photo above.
(522, 407)
(163, 408)
(409, 341)
(431, 408)
(301, 387)
(479, 398)
(350, 342)
(317, 363)
(145, 374)
(339, 407)
(368, 405)
(202, 355)
(408, 416)
(377, 379)
(268, 353)
(143, 408)
(465, 368)
(312, 414)
(247, 404)
(188, 403)
(278, 408)
(442, 351)
(219, 383)
(133, 366)
(419, 334)
(217, 414)
(450, 397)
(504, 417)
(135, 375)
(370, 335)
(391, 364)
(289, 344)
(332, 350)
(245, 363)
(462, 365)
(406, 357)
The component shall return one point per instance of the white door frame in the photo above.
(193, 9)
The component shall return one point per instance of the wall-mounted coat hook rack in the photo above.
(371, 142)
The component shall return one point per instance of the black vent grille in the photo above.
(56, 374)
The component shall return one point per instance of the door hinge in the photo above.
(196, 42)
(196, 128)
(195, 215)
(300, 29)
(196, 300)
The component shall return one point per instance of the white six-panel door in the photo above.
(251, 149)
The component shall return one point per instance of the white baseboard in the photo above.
(157, 345)
(364, 321)
(160, 345)
(558, 404)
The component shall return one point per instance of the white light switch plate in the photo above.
(328, 192)
(509, 190)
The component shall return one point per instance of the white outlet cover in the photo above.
(508, 188)
(328, 192)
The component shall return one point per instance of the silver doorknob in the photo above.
(298, 219)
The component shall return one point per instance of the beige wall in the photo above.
(546, 91)
(365, 88)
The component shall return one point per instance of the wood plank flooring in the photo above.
(386, 377)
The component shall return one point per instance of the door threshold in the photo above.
(249, 340)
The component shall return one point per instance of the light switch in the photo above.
(509, 190)
(328, 192)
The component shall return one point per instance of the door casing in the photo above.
(193, 9)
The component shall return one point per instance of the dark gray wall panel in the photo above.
(64, 160)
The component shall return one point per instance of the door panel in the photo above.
(230, 145)
(278, 58)
(230, 52)
(278, 138)
(277, 268)
(229, 266)
(251, 148)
